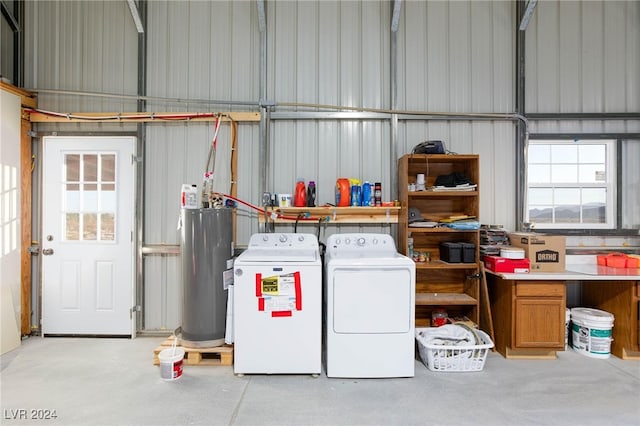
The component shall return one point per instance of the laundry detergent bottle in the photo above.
(343, 192)
(300, 197)
(311, 194)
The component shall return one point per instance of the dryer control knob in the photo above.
(283, 238)
(347, 241)
(337, 241)
(361, 241)
(301, 238)
(375, 241)
(265, 238)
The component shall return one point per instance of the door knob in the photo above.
(47, 252)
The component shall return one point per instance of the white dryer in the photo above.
(370, 307)
(277, 306)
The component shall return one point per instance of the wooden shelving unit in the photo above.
(334, 215)
(439, 284)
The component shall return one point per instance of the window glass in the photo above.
(571, 183)
(89, 197)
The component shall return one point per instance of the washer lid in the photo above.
(279, 255)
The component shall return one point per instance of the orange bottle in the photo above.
(343, 192)
(300, 197)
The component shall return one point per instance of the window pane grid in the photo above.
(569, 184)
(89, 200)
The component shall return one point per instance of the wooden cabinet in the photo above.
(529, 316)
(622, 299)
(451, 286)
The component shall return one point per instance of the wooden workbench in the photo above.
(528, 310)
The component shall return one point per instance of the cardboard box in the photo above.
(546, 253)
(503, 264)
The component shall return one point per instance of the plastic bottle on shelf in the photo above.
(343, 192)
(311, 194)
(300, 197)
(367, 194)
(378, 193)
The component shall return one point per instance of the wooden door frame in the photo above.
(27, 100)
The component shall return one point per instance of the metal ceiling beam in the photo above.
(8, 15)
(528, 12)
(135, 14)
(395, 17)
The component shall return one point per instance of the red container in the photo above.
(343, 192)
(503, 264)
(300, 197)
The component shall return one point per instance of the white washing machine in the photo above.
(277, 306)
(370, 307)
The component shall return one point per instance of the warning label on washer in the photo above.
(279, 285)
(279, 294)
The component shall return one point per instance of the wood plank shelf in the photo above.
(335, 215)
(419, 194)
(439, 264)
(445, 299)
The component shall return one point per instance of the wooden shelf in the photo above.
(439, 264)
(334, 214)
(438, 230)
(439, 283)
(420, 194)
(443, 299)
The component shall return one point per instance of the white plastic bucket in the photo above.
(591, 332)
(567, 320)
(171, 363)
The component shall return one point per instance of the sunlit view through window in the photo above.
(8, 209)
(571, 184)
(89, 192)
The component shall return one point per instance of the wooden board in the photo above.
(530, 354)
(486, 319)
(139, 117)
(219, 355)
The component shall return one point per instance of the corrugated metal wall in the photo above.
(452, 57)
(584, 57)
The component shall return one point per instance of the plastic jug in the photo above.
(343, 192)
(300, 197)
(311, 194)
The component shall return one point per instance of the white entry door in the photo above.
(87, 240)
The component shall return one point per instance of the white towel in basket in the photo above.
(448, 335)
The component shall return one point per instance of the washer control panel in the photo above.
(283, 240)
(361, 243)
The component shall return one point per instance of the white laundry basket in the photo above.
(453, 358)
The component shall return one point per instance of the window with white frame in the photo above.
(571, 184)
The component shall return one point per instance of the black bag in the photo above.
(429, 147)
(453, 179)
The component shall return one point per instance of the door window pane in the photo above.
(89, 195)
(107, 227)
(108, 167)
(72, 167)
(89, 226)
(72, 227)
(90, 169)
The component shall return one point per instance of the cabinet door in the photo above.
(539, 323)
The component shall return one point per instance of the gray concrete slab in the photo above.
(89, 381)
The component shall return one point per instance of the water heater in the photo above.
(207, 268)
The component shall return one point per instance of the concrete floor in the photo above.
(114, 382)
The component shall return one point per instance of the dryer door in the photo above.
(372, 300)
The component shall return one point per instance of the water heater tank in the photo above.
(207, 252)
